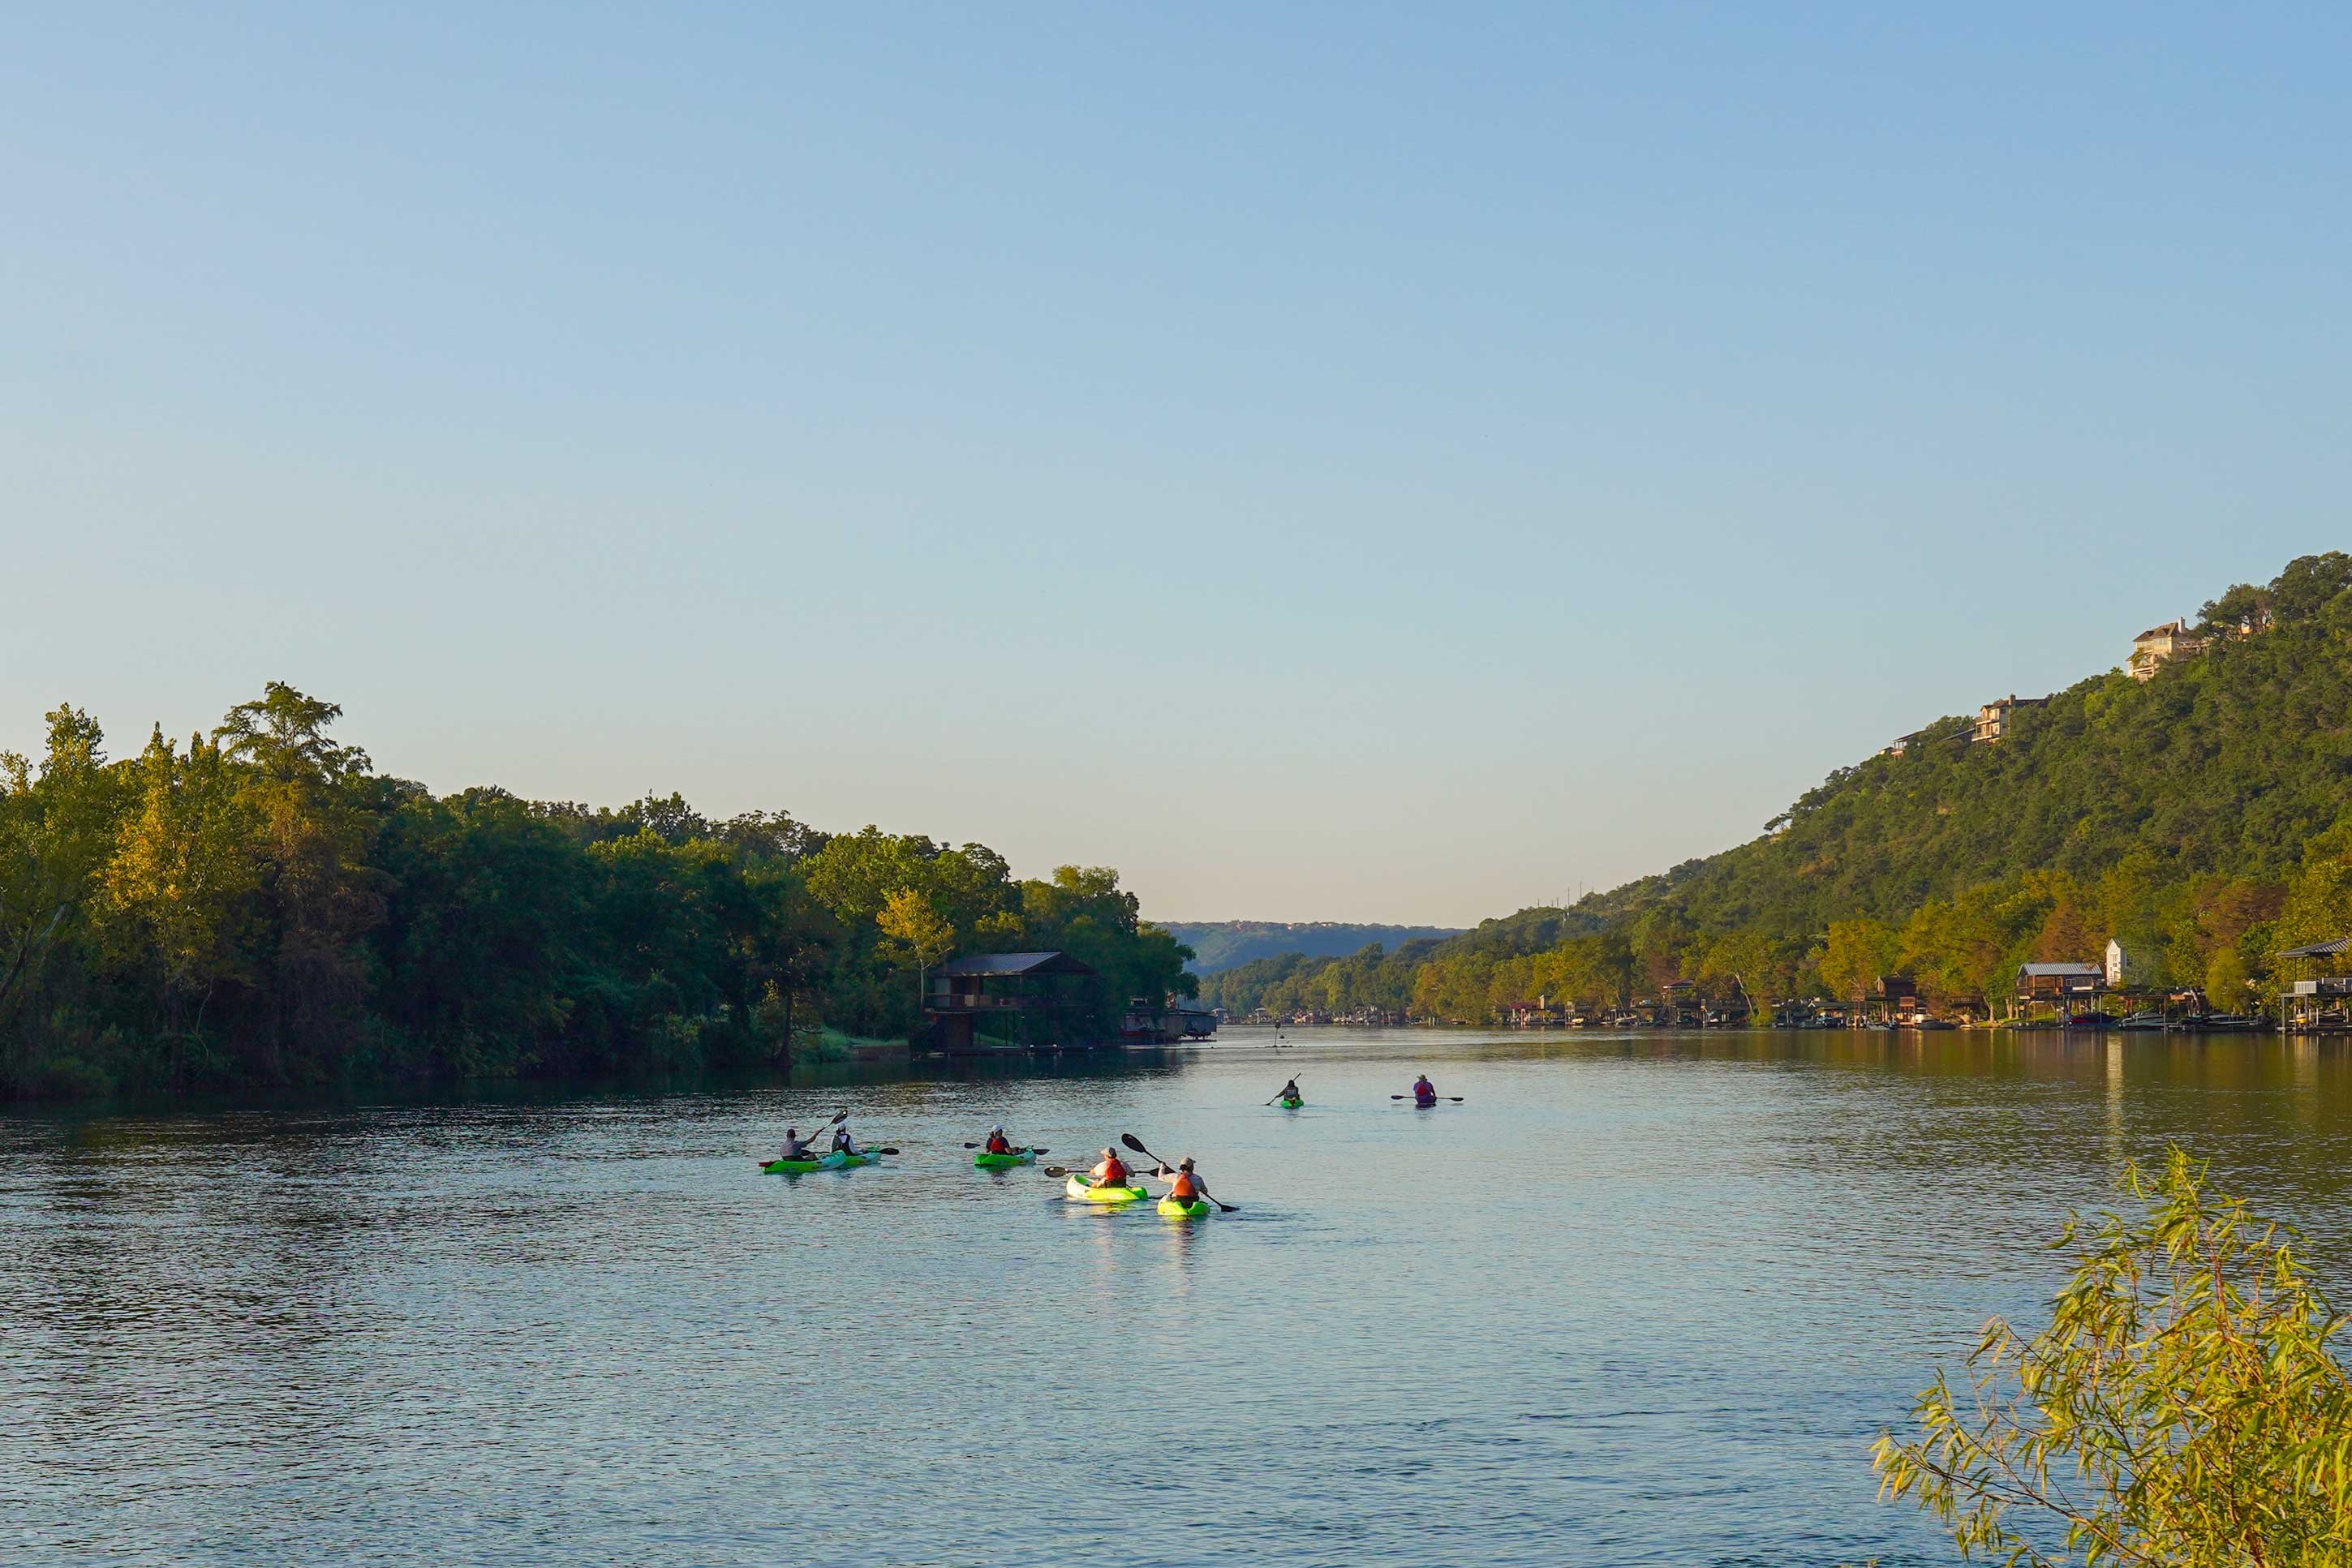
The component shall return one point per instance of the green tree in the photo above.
(920, 935)
(2184, 1407)
(181, 872)
(1858, 951)
(57, 829)
(302, 784)
(2319, 903)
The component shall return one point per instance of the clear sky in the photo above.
(1346, 461)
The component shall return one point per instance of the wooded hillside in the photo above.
(2198, 817)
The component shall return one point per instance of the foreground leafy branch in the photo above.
(2183, 1407)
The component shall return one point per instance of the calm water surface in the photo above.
(1638, 1301)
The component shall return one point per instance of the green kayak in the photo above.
(989, 1162)
(1195, 1209)
(833, 1162)
(1292, 1102)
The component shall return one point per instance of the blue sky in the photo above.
(1333, 462)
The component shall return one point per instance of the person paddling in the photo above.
(795, 1146)
(998, 1144)
(1111, 1172)
(1183, 1187)
(1424, 1093)
(843, 1144)
(1290, 1092)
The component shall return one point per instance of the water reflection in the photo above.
(1640, 1298)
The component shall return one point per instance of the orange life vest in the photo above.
(1183, 1188)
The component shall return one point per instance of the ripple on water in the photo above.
(1636, 1302)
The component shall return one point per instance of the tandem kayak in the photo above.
(1290, 1104)
(1084, 1194)
(833, 1162)
(1195, 1209)
(989, 1162)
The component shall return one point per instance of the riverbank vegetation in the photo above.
(259, 907)
(2203, 818)
(2185, 1406)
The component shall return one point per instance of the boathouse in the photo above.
(2315, 1003)
(2068, 987)
(1016, 999)
(1894, 998)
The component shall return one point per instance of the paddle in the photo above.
(1456, 1098)
(1132, 1142)
(1020, 1151)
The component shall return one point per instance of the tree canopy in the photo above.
(261, 908)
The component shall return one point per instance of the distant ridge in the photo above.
(1224, 943)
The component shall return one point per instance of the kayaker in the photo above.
(1424, 1093)
(843, 1144)
(998, 1144)
(1111, 1172)
(1183, 1187)
(795, 1146)
(1290, 1092)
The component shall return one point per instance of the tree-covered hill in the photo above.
(2228, 762)
(1226, 944)
(2193, 816)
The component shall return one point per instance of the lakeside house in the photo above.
(1166, 1024)
(1020, 998)
(1992, 719)
(2318, 1003)
(2159, 646)
(1542, 1013)
(2067, 987)
(1897, 998)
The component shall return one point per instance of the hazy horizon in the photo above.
(1355, 465)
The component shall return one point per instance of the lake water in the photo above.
(1637, 1301)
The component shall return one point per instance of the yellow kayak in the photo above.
(1192, 1210)
(1084, 1194)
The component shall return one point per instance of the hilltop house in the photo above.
(2159, 646)
(1992, 720)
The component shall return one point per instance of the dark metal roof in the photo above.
(1014, 963)
(2319, 949)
